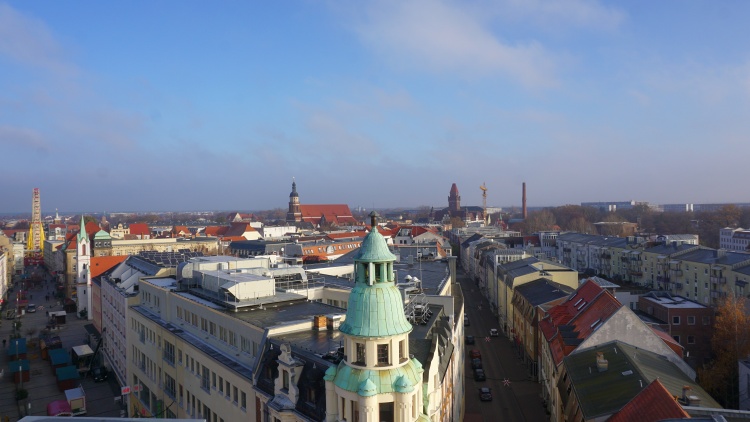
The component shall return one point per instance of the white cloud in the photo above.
(27, 41)
(13, 137)
(576, 13)
(443, 37)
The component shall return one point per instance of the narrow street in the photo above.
(516, 397)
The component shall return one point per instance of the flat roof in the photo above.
(674, 302)
(285, 312)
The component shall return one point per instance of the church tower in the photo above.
(377, 380)
(454, 201)
(83, 271)
(294, 215)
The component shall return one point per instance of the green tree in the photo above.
(457, 222)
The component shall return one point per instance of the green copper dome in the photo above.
(375, 311)
(367, 382)
(367, 388)
(374, 248)
(376, 307)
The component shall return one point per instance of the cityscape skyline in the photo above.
(157, 106)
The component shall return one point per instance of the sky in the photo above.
(203, 105)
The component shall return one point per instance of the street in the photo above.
(516, 397)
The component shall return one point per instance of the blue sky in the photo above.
(187, 105)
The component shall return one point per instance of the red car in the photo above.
(474, 354)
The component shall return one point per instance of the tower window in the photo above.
(383, 354)
(360, 354)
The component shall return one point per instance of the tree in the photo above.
(539, 221)
(730, 343)
(457, 222)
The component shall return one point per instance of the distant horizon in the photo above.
(353, 208)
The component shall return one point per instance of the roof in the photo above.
(541, 291)
(141, 229)
(329, 213)
(629, 371)
(654, 403)
(102, 264)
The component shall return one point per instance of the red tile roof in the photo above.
(238, 229)
(102, 264)
(654, 403)
(331, 213)
(140, 229)
(584, 310)
(216, 230)
(675, 346)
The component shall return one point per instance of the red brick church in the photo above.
(319, 214)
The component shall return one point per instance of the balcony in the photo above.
(720, 280)
(662, 278)
(677, 286)
(718, 295)
(606, 255)
(624, 259)
(637, 273)
(676, 273)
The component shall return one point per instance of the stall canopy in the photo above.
(67, 373)
(17, 347)
(18, 365)
(59, 357)
(59, 408)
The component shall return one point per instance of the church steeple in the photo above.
(83, 270)
(294, 215)
(378, 379)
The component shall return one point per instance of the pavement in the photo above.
(516, 396)
(42, 386)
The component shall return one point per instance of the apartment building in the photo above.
(226, 342)
(734, 239)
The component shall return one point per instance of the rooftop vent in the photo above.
(601, 363)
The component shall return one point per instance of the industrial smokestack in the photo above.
(523, 200)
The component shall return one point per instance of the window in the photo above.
(204, 379)
(691, 320)
(691, 339)
(227, 383)
(402, 350)
(169, 385)
(168, 352)
(243, 400)
(213, 380)
(706, 320)
(675, 320)
(221, 384)
(383, 354)
(676, 338)
(360, 354)
(285, 380)
(234, 395)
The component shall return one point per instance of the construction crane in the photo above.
(484, 202)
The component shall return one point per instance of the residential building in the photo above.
(734, 239)
(688, 322)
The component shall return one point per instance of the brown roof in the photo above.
(654, 403)
(141, 229)
(102, 264)
(329, 213)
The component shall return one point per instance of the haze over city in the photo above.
(198, 105)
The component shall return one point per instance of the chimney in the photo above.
(523, 200)
(601, 363)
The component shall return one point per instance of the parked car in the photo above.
(474, 354)
(469, 340)
(494, 332)
(30, 308)
(100, 374)
(476, 364)
(485, 394)
(479, 375)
